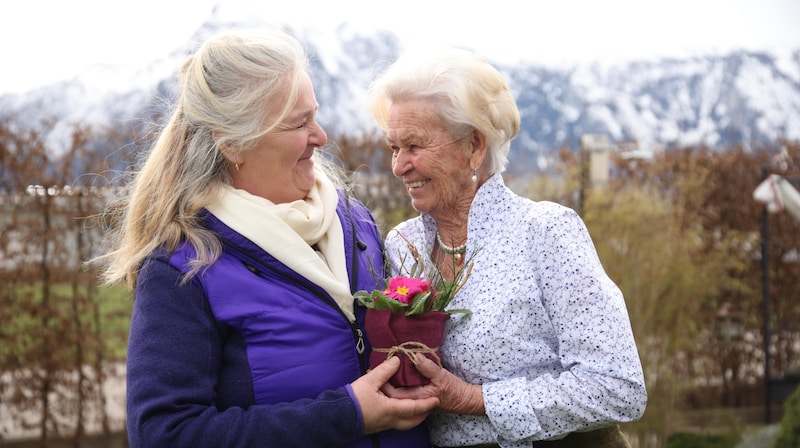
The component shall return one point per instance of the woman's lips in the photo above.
(416, 184)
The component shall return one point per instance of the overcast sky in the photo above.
(43, 41)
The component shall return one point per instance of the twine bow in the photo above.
(408, 349)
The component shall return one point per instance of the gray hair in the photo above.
(468, 91)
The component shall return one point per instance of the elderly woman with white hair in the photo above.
(547, 357)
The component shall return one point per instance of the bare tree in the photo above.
(52, 350)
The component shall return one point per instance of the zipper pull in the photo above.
(360, 342)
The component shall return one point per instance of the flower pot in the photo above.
(395, 334)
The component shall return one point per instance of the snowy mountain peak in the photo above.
(740, 98)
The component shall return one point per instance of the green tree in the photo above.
(789, 434)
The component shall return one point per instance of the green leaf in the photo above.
(418, 306)
(365, 299)
(446, 289)
(465, 311)
(384, 302)
(416, 270)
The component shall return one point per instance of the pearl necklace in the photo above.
(455, 251)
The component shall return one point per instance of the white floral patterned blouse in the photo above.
(549, 337)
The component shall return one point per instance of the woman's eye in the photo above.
(396, 149)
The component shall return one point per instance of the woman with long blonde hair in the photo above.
(243, 251)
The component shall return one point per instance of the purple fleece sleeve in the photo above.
(173, 363)
(360, 416)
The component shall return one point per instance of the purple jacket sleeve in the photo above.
(173, 362)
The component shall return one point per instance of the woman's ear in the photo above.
(229, 153)
(479, 149)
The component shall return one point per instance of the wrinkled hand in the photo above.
(382, 412)
(455, 395)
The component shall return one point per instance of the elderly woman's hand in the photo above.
(455, 395)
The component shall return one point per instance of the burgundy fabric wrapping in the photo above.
(386, 330)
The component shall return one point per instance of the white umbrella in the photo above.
(779, 195)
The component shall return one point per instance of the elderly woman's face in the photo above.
(280, 167)
(433, 164)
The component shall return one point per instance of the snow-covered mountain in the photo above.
(740, 98)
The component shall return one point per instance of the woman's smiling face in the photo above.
(433, 164)
(279, 168)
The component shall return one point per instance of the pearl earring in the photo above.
(474, 176)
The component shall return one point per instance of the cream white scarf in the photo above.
(287, 232)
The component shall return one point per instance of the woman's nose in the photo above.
(318, 136)
(401, 163)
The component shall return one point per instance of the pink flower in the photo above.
(403, 289)
(409, 294)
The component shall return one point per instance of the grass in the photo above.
(63, 324)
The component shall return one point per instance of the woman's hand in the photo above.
(382, 412)
(455, 395)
